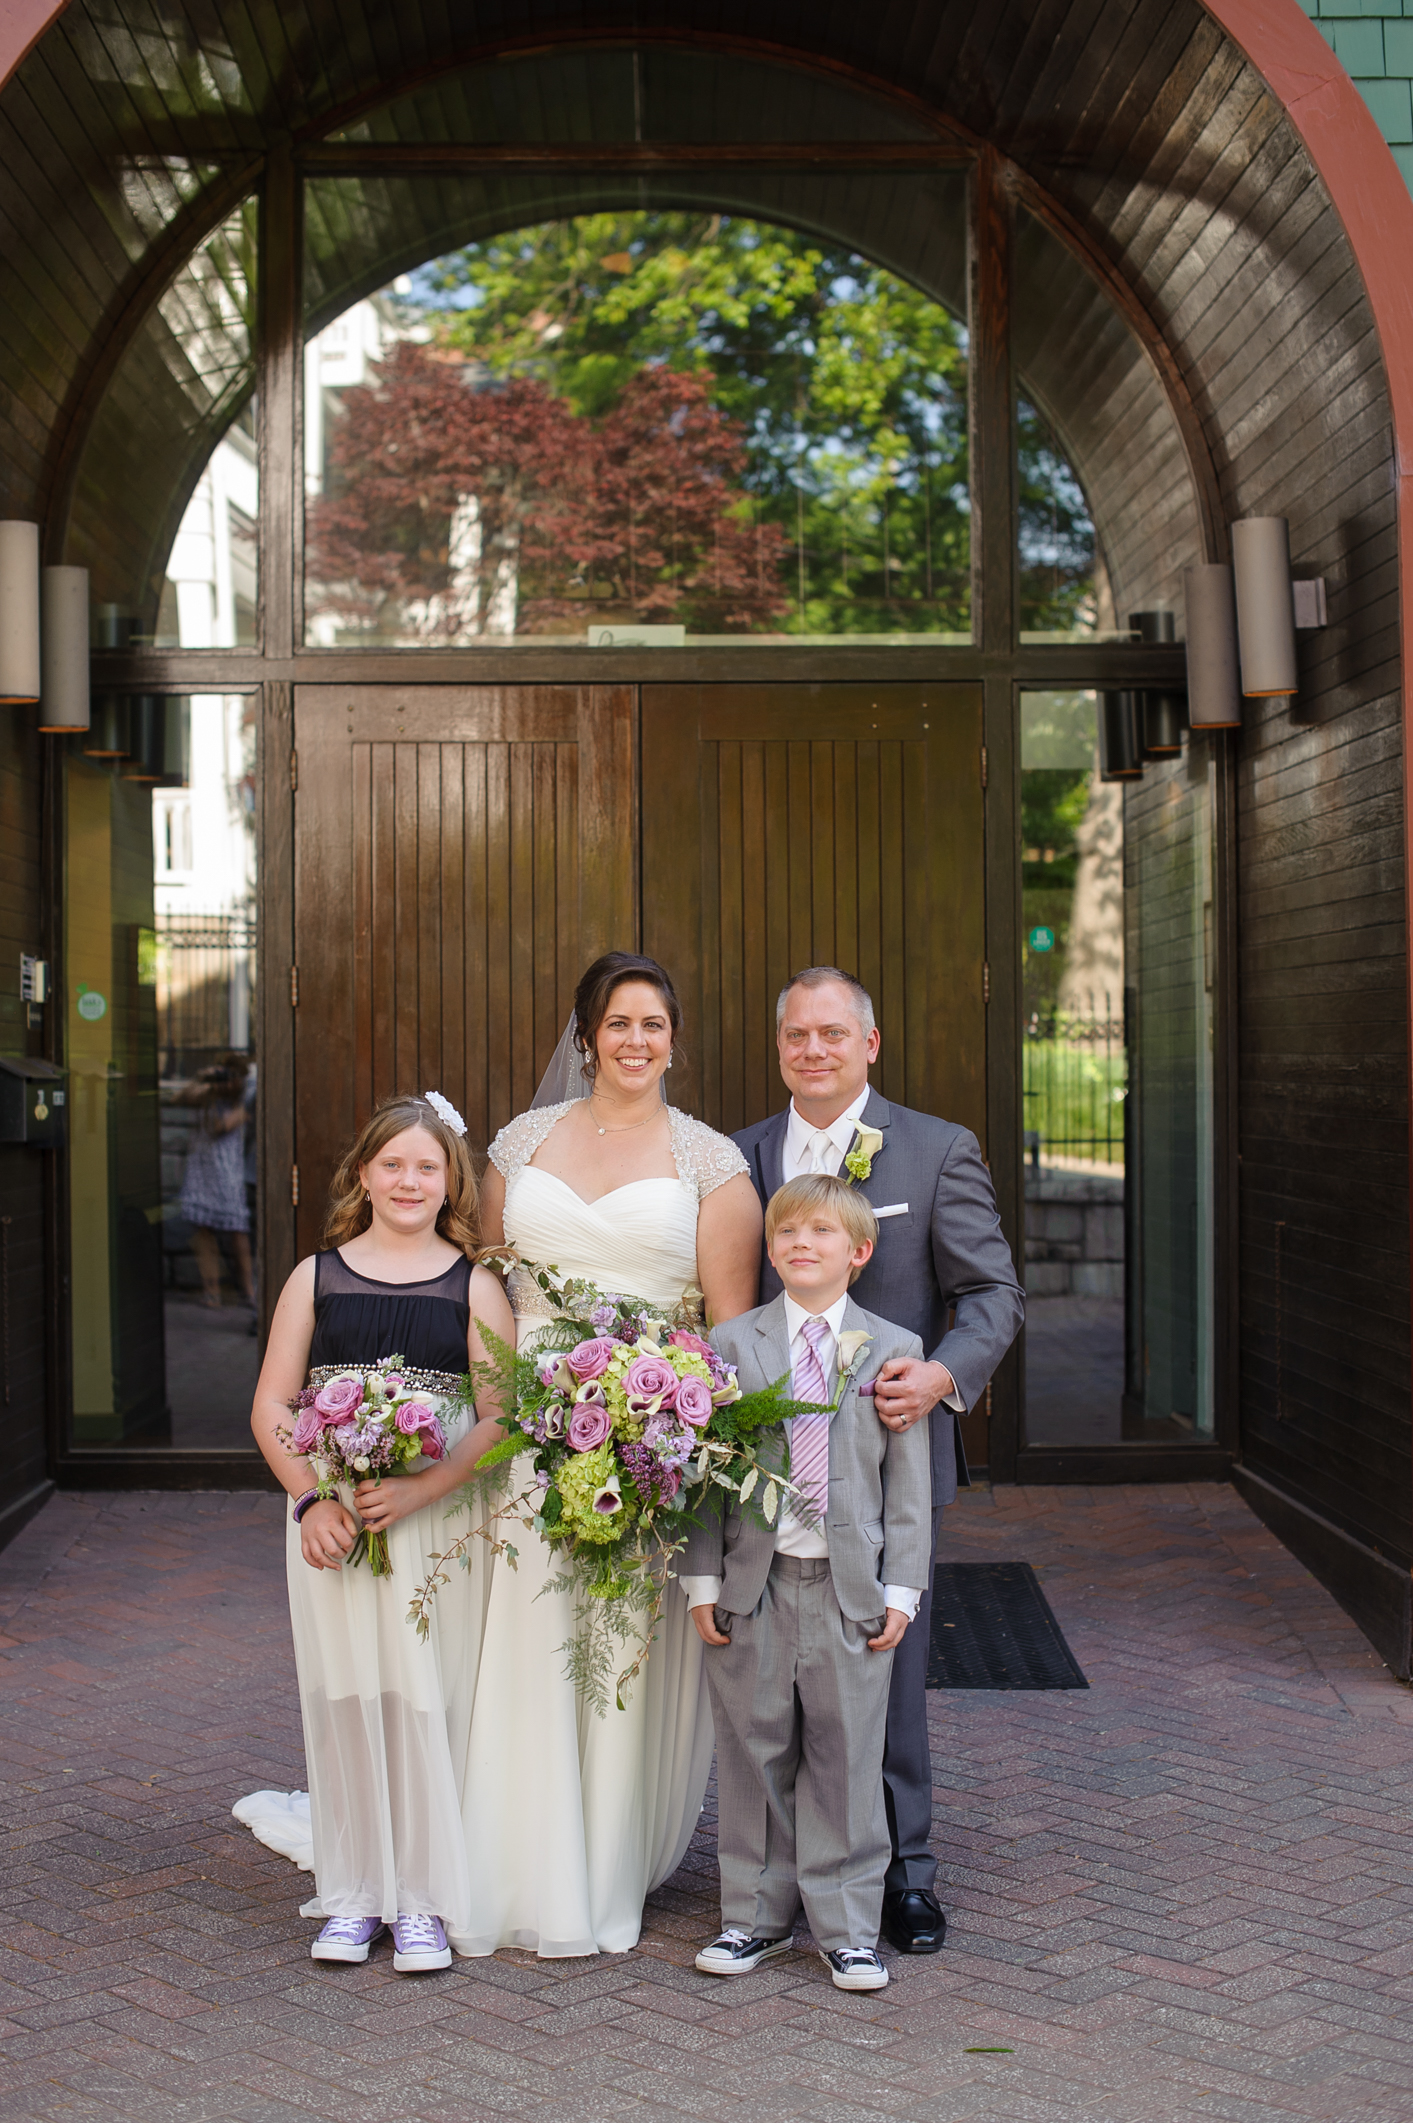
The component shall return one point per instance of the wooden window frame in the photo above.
(995, 658)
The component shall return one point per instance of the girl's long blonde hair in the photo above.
(350, 1211)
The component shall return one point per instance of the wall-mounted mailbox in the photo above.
(33, 1102)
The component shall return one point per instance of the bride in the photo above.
(573, 1818)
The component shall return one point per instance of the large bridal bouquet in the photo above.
(629, 1420)
(362, 1425)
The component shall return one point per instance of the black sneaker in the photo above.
(736, 1953)
(856, 1968)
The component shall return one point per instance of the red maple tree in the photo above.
(460, 505)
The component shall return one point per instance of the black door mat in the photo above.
(992, 1628)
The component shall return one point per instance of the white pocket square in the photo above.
(893, 1209)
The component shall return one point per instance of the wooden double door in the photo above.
(461, 853)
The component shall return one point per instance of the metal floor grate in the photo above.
(992, 1628)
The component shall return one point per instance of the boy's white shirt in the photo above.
(791, 1536)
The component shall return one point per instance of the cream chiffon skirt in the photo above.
(387, 1722)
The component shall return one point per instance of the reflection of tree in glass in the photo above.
(1056, 533)
(461, 504)
(1054, 801)
(848, 385)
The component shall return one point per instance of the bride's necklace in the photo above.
(621, 1131)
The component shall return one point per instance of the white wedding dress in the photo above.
(572, 1819)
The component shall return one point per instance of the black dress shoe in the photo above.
(913, 1921)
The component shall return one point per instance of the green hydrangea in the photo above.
(579, 1481)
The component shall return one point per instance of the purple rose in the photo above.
(651, 1378)
(694, 1402)
(588, 1427)
(340, 1400)
(591, 1359)
(691, 1342)
(308, 1430)
(433, 1443)
(412, 1416)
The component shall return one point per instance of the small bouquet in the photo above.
(630, 1420)
(362, 1424)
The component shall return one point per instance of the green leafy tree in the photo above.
(848, 386)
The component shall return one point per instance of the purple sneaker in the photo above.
(419, 1943)
(347, 1938)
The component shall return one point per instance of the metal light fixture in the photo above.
(1213, 676)
(1120, 752)
(109, 728)
(147, 759)
(63, 700)
(1265, 612)
(1162, 716)
(176, 740)
(1164, 720)
(19, 611)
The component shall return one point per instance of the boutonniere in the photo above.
(851, 1355)
(858, 1161)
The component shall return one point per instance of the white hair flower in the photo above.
(446, 1111)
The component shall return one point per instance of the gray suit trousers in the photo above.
(800, 1703)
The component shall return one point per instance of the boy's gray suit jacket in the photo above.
(947, 1250)
(878, 1525)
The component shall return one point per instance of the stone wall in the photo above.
(1074, 1233)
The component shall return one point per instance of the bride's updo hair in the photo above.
(351, 1213)
(595, 992)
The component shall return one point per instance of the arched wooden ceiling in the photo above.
(1141, 129)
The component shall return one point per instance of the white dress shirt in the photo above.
(802, 1140)
(792, 1537)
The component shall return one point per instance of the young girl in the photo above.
(386, 1715)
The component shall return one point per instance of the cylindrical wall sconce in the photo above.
(1265, 612)
(147, 758)
(1213, 672)
(108, 728)
(19, 611)
(63, 702)
(1120, 751)
(176, 740)
(1164, 720)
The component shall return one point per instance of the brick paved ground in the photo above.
(1186, 1893)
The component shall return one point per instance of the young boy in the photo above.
(801, 1619)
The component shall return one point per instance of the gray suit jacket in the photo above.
(878, 1525)
(947, 1250)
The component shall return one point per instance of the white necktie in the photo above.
(824, 1151)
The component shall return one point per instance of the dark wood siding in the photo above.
(24, 1382)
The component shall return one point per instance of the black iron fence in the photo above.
(1075, 1076)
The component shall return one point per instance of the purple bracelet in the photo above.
(310, 1496)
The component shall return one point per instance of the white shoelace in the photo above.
(418, 1930)
(852, 1956)
(345, 1930)
(732, 1937)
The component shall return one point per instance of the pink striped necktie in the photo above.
(809, 1434)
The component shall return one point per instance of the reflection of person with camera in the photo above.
(213, 1198)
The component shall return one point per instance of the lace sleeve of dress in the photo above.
(520, 1138)
(704, 1159)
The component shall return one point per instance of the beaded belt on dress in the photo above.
(419, 1381)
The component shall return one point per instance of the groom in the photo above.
(939, 1250)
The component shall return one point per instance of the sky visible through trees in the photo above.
(677, 416)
